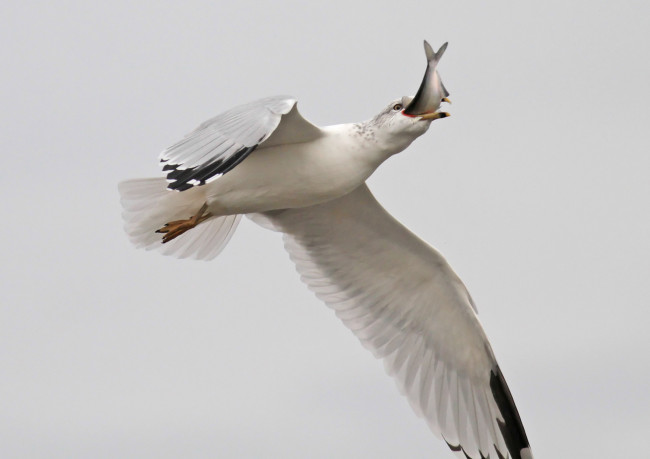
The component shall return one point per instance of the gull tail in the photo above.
(147, 205)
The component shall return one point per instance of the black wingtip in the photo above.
(511, 427)
(458, 448)
(180, 178)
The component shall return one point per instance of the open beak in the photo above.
(431, 92)
(434, 116)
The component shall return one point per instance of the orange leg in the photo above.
(174, 229)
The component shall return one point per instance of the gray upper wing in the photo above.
(403, 301)
(222, 142)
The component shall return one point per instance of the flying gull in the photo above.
(396, 293)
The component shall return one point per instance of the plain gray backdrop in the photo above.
(536, 190)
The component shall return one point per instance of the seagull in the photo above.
(395, 292)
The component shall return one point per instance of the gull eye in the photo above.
(397, 107)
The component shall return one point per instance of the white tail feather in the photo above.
(148, 205)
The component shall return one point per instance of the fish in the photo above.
(431, 92)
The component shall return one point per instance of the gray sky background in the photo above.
(536, 190)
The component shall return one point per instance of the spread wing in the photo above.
(403, 301)
(219, 144)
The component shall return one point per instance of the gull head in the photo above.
(407, 118)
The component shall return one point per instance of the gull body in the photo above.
(308, 173)
(395, 292)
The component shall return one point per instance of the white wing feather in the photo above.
(406, 305)
(219, 144)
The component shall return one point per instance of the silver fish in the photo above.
(431, 92)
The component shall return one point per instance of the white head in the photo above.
(405, 119)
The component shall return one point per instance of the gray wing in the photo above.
(406, 305)
(221, 143)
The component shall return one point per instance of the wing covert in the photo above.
(222, 142)
(406, 305)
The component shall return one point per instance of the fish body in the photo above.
(431, 92)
